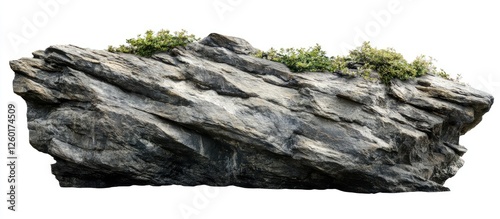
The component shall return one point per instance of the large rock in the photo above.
(213, 114)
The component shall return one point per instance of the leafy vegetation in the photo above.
(364, 61)
(152, 43)
(300, 60)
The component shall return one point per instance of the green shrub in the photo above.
(388, 63)
(364, 60)
(300, 60)
(152, 43)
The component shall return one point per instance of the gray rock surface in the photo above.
(213, 114)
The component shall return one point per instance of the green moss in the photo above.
(152, 43)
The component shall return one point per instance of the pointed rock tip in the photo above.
(234, 44)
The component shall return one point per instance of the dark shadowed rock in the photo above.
(211, 113)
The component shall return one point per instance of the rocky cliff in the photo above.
(213, 114)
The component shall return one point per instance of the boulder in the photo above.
(211, 113)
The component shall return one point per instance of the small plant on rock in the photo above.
(151, 43)
(300, 60)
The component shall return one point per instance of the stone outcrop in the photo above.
(210, 113)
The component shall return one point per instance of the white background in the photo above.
(462, 35)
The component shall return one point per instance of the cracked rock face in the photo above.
(213, 114)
